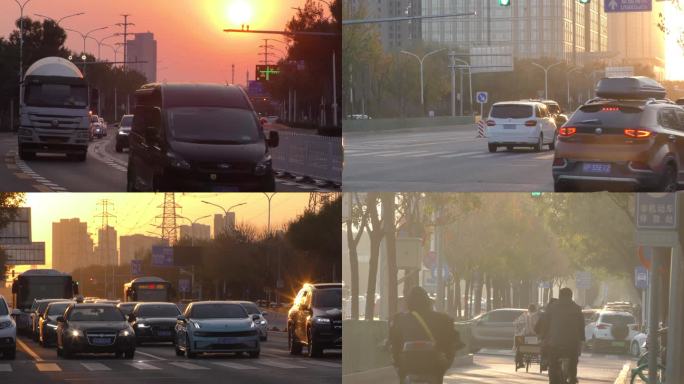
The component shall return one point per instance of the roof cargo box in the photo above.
(632, 88)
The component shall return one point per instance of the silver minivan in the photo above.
(520, 124)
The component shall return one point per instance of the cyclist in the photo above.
(524, 326)
(424, 342)
(563, 336)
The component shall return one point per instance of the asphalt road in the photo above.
(103, 171)
(157, 363)
(430, 159)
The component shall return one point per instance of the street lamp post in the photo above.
(60, 19)
(99, 43)
(568, 83)
(420, 61)
(192, 226)
(546, 76)
(85, 37)
(225, 212)
(21, 45)
(453, 85)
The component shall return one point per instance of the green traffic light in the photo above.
(536, 194)
(504, 3)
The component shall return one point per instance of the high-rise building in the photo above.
(197, 231)
(106, 250)
(396, 35)
(143, 49)
(224, 223)
(647, 47)
(132, 245)
(72, 246)
(561, 29)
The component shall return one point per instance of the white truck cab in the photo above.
(54, 113)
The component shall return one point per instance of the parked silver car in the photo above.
(495, 328)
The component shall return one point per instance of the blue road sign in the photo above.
(583, 280)
(628, 5)
(641, 277)
(482, 97)
(136, 267)
(162, 256)
(184, 285)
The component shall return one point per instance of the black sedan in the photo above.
(94, 328)
(154, 322)
(47, 324)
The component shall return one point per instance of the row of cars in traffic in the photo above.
(629, 137)
(611, 328)
(94, 325)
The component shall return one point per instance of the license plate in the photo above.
(225, 189)
(602, 168)
(163, 333)
(227, 340)
(509, 126)
(618, 344)
(101, 341)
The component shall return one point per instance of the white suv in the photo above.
(8, 331)
(611, 330)
(520, 124)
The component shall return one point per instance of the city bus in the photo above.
(148, 288)
(40, 284)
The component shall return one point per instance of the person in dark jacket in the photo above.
(563, 335)
(433, 334)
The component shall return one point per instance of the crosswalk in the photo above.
(161, 366)
(426, 154)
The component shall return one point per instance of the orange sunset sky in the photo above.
(191, 44)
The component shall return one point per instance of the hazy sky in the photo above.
(136, 212)
(191, 44)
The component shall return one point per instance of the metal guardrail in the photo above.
(316, 157)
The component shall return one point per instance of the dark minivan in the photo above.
(198, 137)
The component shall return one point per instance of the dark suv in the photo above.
(628, 138)
(154, 322)
(198, 137)
(315, 319)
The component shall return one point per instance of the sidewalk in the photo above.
(388, 374)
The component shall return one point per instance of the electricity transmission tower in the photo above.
(106, 259)
(168, 225)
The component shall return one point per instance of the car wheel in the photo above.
(552, 144)
(540, 143)
(254, 355)
(188, 352)
(118, 354)
(492, 147)
(130, 354)
(24, 155)
(130, 180)
(179, 352)
(314, 349)
(669, 183)
(293, 344)
(66, 353)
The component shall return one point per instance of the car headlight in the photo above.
(142, 325)
(53, 326)
(321, 320)
(264, 165)
(176, 162)
(75, 333)
(5, 324)
(123, 133)
(125, 333)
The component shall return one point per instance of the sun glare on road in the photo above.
(674, 55)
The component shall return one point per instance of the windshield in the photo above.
(95, 314)
(3, 308)
(511, 111)
(57, 309)
(36, 287)
(328, 298)
(213, 125)
(57, 95)
(251, 308)
(126, 121)
(607, 115)
(158, 311)
(218, 311)
(42, 306)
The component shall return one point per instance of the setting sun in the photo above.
(239, 12)
(674, 55)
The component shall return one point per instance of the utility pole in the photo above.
(125, 24)
(232, 74)
(168, 226)
(104, 249)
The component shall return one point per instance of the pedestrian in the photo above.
(564, 335)
(423, 342)
(524, 326)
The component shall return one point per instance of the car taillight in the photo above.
(531, 123)
(567, 131)
(559, 162)
(602, 326)
(638, 133)
(491, 123)
(610, 109)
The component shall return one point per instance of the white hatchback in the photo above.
(8, 331)
(611, 330)
(520, 124)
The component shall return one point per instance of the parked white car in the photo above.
(611, 330)
(520, 124)
(638, 345)
(8, 330)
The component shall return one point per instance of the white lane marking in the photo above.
(460, 154)
(5, 368)
(321, 363)
(150, 355)
(190, 366)
(433, 154)
(277, 364)
(95, 367)
(484, 156)
(143, 366)
(235, 365)
(48, 367)
(402, 154)
(38, 178)
(28, 350)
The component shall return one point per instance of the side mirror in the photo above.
(181, 318)
(273, 139)
(255, 317)
(131, 317)
(60, 319)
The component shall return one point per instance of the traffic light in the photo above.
(504, 3)
(584, 1)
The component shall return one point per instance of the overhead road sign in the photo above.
(628, 5)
